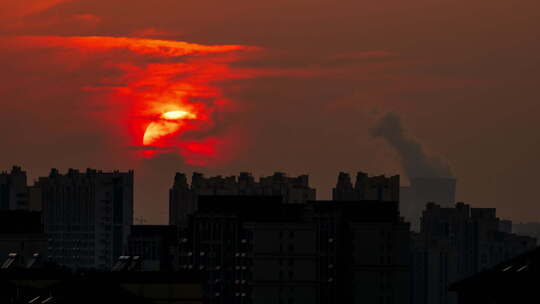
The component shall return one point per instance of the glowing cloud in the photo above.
(175, 115)
(141, 46)
(162, 99)
(170, 123)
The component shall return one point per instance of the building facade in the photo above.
(87, 216)
(156, 245)
(258, 249)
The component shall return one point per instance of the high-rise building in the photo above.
(13, 189)
(87, 216)
(35, 202)
(258, 249)
(455, 243)
(414, 198)
(369, 247)
(182, 201)
(375, 188)
(183, 197)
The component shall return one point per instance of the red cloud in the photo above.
(87, 18)
(141, 46)
(18, 8)
(163, 94)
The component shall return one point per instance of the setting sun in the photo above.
(167, 124)
(175, 115)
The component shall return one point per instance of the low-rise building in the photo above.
(53, 285)
(21, 234)
(512, 281)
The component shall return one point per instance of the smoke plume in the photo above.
(416, 162)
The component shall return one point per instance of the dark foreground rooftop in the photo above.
(513, 281)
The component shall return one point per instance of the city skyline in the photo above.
(248, 240)
(269, 152)
(19, 193)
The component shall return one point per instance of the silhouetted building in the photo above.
(13, 191)
(505, 226)
(217, 244)
(369, 255)
(59, 286)
(155, 244)
(257, 249)
(375, 188)
(455, 243)
(21, 234)
(87, 216)
(512, 281)
(183, 197)
(35, 200)
(422, 191)
(530, 229)
(434, 268)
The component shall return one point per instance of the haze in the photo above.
(304, 86)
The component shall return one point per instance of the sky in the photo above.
(438, 88)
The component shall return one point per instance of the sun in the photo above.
(167, 124)
(175, 115)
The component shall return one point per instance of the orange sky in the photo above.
(276, 85)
